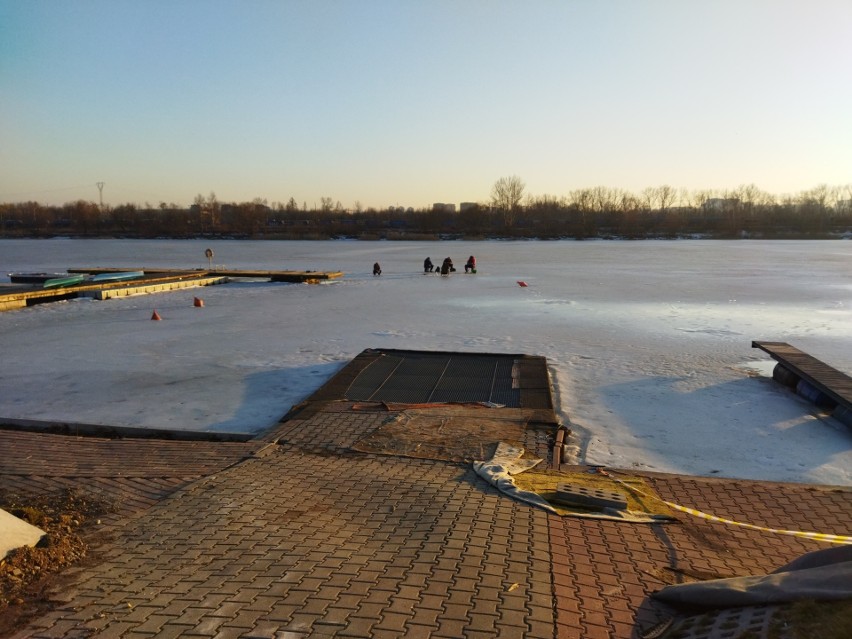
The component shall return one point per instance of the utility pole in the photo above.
(100, 186)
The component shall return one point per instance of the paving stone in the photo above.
(282, 612)
(424, 549)
(228, 609)
(151, 624)
(452, 628)
(115, 630)
(191, 616)
(393, 621)
(483, 622)
(336, 616)
(208, 626)
(371, 610)
(358, 627)
(515, 618)
(416, 631)
(456, 611)
(540, 630)
(480, 634)
(245, 619)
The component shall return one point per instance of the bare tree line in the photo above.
(663, 211)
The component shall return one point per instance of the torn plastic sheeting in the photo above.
(498, 472)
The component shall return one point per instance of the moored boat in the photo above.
(69, 280)
(34, 278)
(117, 277)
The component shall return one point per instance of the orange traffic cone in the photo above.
(156, 316)
(197, 302)
(520, 283)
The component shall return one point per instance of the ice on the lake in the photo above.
(648, 343)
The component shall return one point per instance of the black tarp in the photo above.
(821, 575)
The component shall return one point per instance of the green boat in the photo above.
(58, 282)
(117, 277)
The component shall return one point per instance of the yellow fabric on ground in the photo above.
(544, 483)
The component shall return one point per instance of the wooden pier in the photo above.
(19, 296)
(295, 277)
(834, 384)
(154, 281)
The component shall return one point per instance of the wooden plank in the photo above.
(832, 382)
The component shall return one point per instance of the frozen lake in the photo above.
(649, 343)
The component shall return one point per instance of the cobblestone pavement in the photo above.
(298, 544)
(127, 475)
(304, 538)
(603, 571)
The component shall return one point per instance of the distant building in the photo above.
(467, 206)
(843, 205)
(446, 208)
(721, 203)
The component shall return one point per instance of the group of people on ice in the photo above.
(447, 266)
(445, 269)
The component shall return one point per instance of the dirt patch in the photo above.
(809, 619)
(448, 432)
(29, 574)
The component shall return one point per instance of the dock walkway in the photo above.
(19, 296)
(154, 281)
(829, 381)
(272, 275)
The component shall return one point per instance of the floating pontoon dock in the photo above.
(833, 384)
(153, 281)
(309, 277)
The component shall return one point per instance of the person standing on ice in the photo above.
(377, 270)
(428, 267)
(470, 266)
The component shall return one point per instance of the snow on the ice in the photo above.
(649, 343)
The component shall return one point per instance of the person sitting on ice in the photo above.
(470, 265)
(428, 267)
(447, 267)
(377, 270)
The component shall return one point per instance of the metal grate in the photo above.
(416, 378)
(730, 623)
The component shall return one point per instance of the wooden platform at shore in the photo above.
(828, 380)
(309, 277)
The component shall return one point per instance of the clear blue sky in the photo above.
(410, 102)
